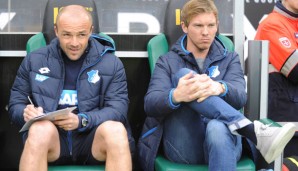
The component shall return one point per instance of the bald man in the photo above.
(74, 70)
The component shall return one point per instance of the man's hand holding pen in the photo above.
(66, 122)
(31, 111)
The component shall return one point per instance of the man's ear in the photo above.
(92, 29)
(56, 29)
(184, 27)
(217, 28)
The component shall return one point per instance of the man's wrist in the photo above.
(173, 104)
(173, 98)
(223, 87)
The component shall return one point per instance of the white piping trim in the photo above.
(4, 53)
(132, 54)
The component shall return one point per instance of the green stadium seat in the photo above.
(162, 164)
(35, 42)
(156, 47)
(227, 42)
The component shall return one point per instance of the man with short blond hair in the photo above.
(193, 99)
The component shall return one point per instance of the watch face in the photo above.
(84, 122)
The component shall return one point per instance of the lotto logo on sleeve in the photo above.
(68, 97)
(285, 42)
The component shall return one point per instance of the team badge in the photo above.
(285, 42)
(93, 76)
(44, 70)
(213, 71)
(41, 78)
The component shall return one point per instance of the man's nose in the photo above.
(74, 41)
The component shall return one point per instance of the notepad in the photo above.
(48, 116)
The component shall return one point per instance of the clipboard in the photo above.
(48, 116)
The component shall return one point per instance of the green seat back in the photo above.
(107, 37)
(156, 47)
(35, 42)
(227, 42)
(162, 164)
(76, 168)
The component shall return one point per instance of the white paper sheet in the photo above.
(48, 116)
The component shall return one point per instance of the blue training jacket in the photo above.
(101, 100)
(220, 64)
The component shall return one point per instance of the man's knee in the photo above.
(184, 71)
(113, 132)
(41, 132)
(216, 125)
(217, 130)
(181, 73)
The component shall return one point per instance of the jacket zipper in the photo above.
(69, 138)
(77, 83)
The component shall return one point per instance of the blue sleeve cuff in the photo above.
(83, 115)
(226, 88)
(173, 105)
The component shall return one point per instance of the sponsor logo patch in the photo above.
(285, 42)
(68, 97)
(40, 78)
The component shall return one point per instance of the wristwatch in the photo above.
(84, 122)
